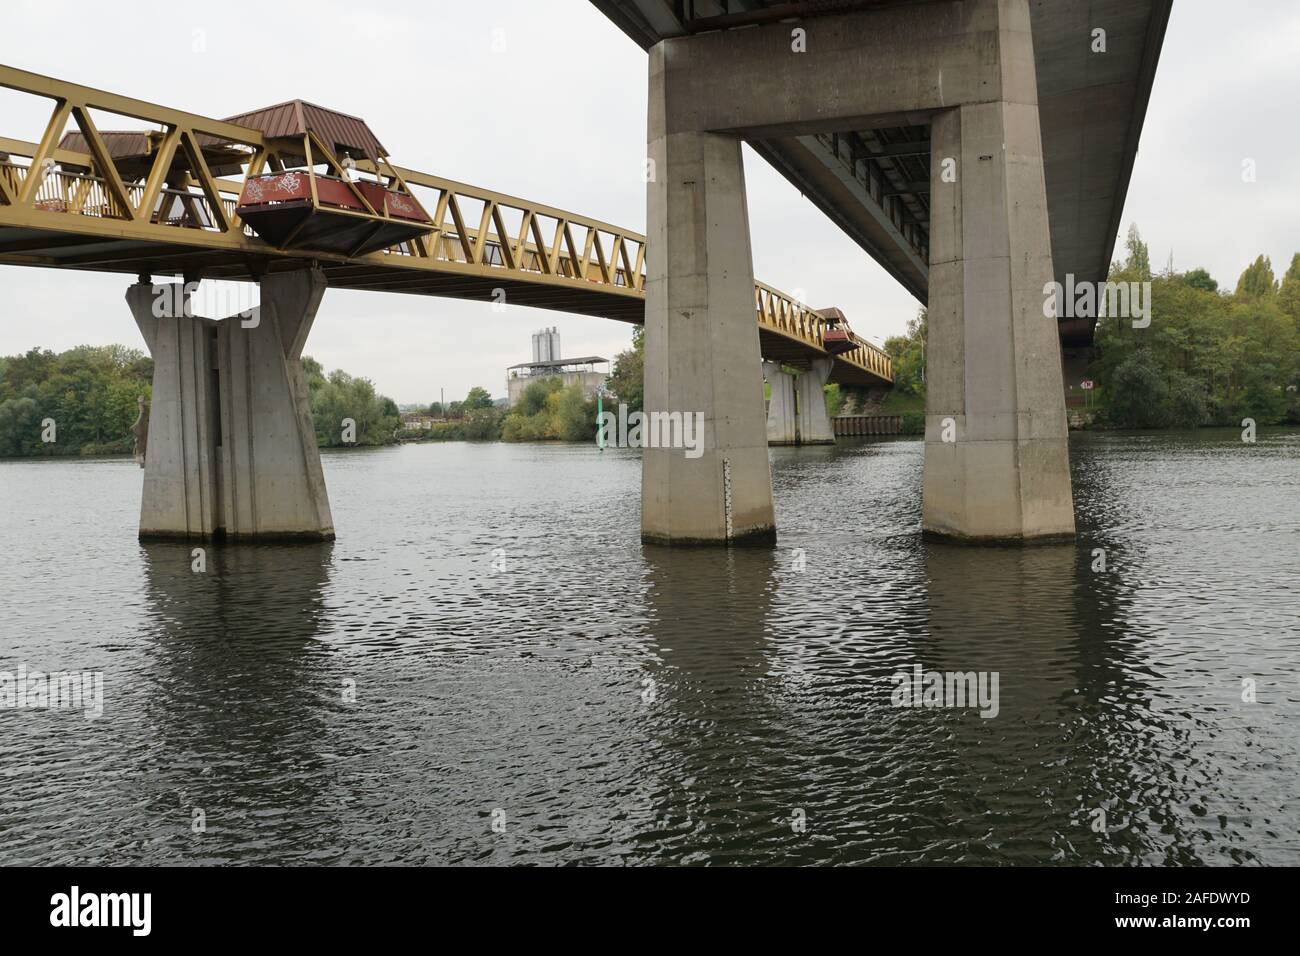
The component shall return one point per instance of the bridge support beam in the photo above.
(701, 343)
(996, 459)
(232, 448)
(814, 422)
(782, 423)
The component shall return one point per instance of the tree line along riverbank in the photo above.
(1209, 356)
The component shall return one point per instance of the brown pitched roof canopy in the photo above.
(340, 131)
(132, 150)
(120, 143)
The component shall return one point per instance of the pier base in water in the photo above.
(232, 448)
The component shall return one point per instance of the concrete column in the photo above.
(996, 460)
(701, 343)
(232, 448)
(180, 497)
(814, 422)
(782, 424)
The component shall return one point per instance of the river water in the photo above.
(488, 667)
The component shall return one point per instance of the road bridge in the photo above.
(977, 149)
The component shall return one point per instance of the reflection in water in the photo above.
(1067, 695)
(1004, 611)
(713, 725)
(518, 656)
(242, 691)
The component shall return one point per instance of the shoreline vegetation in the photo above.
(90, 392)
(1207, 358)
(546, 411)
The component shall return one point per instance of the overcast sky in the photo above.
(558, 117)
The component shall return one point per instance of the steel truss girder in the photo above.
(560, 256)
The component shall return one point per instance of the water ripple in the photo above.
(488, 667)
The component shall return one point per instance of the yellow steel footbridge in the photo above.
(275, 189)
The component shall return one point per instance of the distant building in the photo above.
(546, 345)
(547, 361)
(417, 420)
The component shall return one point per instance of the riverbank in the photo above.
(907, 425)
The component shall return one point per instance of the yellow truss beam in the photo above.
(91, 98)
(450, 247)
(157, 175)
(104, 162)
(35, 170)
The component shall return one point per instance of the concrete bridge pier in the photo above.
(796, 410)
(996, 457)
(814, 422)
(996, 463)
(232, 448)
(782, 423)
(701, 342)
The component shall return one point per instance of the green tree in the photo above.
(483, 424)
(1186, 402)
(312, 373)
(20, 422)
(1200, 279)
(1257, 280)
(1264, 345)
(1139, 256)
(907, 352)
(477, 398)
(1288, 298)
(89, 391)
(834, 399)
(547, 410)
(1218, 358)
(338, 397)
(1138, 392)
(533, 399)
(573, 417)
(627, 380)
